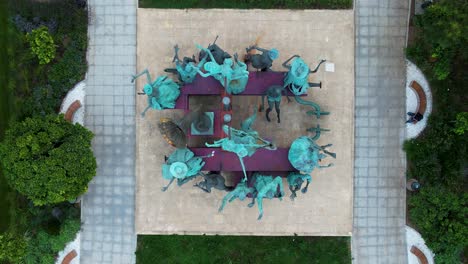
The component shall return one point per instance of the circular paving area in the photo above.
(413, 73)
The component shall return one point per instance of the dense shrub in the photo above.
(439, 156)
(443, 36)
(68, 71)
(42, 44)
(43, 247)
(48, 159)
(40, 88)
(461, 124)
(26, 26)
(441, 216)
(12, 247)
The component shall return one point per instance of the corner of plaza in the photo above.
(378, 105)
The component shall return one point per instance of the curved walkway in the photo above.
(379, 176)
(107, 213)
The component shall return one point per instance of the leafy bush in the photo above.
(43, 247)
(26, 26)
(12, 247)
(441, 217)
(461, 125)
(48, 159)
(42, 44)
(438, 156)
(68, 71)
(443, 36)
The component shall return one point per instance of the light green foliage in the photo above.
(441, 218)
(48, 159)
(12, 247)
(461, 125)
(42, 44)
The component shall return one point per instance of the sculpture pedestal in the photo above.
(208, 127)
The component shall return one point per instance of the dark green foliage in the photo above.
(43, 247)
(242, 249)
(442, 219)
(443, 37)
(39, 89)
(66, 73)
(249, 4)
(461, 124)
(439, 156)
(48, 159)
(12, 247)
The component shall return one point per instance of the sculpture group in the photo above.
(232, 73)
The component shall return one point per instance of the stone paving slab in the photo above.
(327, 207)
(379, 172)
(108, 234)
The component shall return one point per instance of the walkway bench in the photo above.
(422, 101)
(71, 110)
(262, 160)
(419, 254)
(69, 257)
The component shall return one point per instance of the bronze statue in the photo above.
(274, 94)
(213, 180)
(262, 61)
(219, 55)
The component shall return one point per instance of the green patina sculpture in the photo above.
(240, 77)
(232, 75)
(295, 180)
(241, 191)
(266, 187)
(162, 93)
(296, 77)
(219, 55)
(213, 180)
(262, 61)
(304, 154)
(316, 108)
(243, 143)
(273, 94)
(182, 165)
(186, 69)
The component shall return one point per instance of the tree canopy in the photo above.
(48, 159)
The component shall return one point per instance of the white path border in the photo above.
(73, 245)
(413, 73)
(413, 238)
(77, 93)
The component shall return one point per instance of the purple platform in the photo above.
(257, 84)
(262, 160)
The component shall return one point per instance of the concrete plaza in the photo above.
(314, 34)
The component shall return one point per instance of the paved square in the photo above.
(327, 207)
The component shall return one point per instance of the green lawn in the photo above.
(242, 249)
(249, 4)
(6, 109)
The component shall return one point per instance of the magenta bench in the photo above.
(257, 84)
(262, 160)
